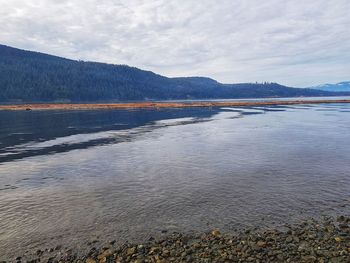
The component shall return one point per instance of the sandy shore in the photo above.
(157, 105)
(309, 241)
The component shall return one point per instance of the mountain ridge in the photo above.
(30, 76)
(343, 86)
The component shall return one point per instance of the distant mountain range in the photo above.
(28, 76)
(339, 87)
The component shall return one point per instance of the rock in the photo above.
(289, 239)
(154, 250)
(261, 243)
(338, 239)
(296, 239)
(330, 228)
(166, 252)
(280, 257)
(216, 233)
(309, 259)
(90, 260)
(131, 251)
(336, 260)
(105, 254)
(303, 246)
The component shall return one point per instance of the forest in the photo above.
(27, 76)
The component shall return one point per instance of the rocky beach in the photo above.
(326, 240)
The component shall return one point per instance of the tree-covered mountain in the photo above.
(32, 76)
(338, 87)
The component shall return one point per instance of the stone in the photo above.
(289, 239)
(261, 243)
(309, 259)
(338, 239)
(131, 251)
(216, 233)
(105, 254)
(154, 250)
(166, 252)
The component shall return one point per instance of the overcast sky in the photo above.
(296, 42)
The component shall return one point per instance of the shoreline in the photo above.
(158, 105)
(311, 240)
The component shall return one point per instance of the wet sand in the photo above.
(157, 105)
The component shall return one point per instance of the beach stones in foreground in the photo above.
(308, 242)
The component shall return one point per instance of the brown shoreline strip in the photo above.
(156, 105)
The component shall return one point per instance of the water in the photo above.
(69, 177)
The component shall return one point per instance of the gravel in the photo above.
(309, 241)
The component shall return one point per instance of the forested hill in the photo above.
(30, 76)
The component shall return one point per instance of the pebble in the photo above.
(131, 251)
(338, 239)
(261, 243)
(216, 233)
(90, 260)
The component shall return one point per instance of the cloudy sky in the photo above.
(293, 42)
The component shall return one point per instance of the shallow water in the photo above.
(68, 177)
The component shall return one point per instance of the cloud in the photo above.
(294, 42)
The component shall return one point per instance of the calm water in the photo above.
(74, 176)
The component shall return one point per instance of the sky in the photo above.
(298, 43)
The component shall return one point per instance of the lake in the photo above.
(75, 176)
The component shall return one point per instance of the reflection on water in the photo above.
(71, 176)
(44, 132)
